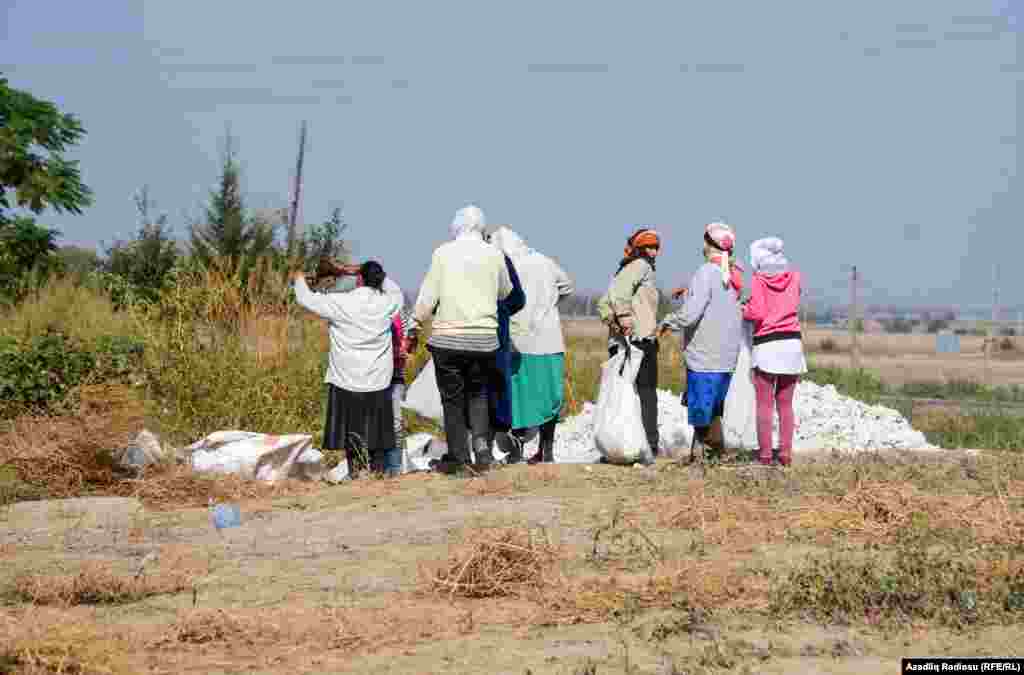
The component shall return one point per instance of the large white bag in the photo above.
(739, 424)
(618, 424)
(423, 397)
(264, 457)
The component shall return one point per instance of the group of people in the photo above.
(711, 323)
(495, 339)
(499, 354)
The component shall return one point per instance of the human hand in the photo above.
(679, 292)
(663, 331)
(297, 274)
(626, 325)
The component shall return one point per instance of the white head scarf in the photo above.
(766, 256)
(724, 238)
(467, 220)
(509, 243)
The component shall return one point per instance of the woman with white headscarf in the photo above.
(778, 356)
(537, 368)
(467, 278)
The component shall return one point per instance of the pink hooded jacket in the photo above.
(774, 304)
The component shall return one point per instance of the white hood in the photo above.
(766, 256)
(510, 243)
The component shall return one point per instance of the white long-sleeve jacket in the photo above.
(361, 357)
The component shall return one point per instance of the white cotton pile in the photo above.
(825, 420)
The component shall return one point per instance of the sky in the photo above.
(879, 134)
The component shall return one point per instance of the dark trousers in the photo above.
(462, 379)
(647, 388)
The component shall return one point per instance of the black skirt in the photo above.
(361, 423)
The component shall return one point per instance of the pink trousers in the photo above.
(775, 391)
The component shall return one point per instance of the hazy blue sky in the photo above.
(879, 132)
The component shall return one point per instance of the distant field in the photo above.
(896, 359)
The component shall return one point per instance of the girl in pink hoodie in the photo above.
(778, 356)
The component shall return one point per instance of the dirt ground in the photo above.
(338, 581)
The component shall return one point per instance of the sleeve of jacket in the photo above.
(755, 309)
(504, 281)
(516, 300)
(318, 303)
(693, 307)
(430, 291)
(563, 282)
(623, 288)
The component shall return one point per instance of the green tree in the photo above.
(34, 174)
(145, 260)
(78, 262)
(26, 251)
(325, 240)
(228, 232)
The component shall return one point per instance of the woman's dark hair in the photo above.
(373, 275)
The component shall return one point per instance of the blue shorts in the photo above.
(705, 396)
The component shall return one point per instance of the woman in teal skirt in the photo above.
(537, 383)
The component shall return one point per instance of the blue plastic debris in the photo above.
(226, 515)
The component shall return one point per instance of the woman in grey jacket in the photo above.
(712, 325)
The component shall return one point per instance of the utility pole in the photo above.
(293, 215)
(854, 327)
(990, 343)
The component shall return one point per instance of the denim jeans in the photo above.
(393, 458)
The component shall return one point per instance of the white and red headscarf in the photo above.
(722, 237)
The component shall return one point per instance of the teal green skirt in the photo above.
(537, 388)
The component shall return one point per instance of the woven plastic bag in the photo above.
(618, 424)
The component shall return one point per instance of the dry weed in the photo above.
(875, 511)
(496, 562)
(44, 642)
(69, 455)
(695, 583)
(723, 520)
(180, 487)
(98, 583)
(880, 511)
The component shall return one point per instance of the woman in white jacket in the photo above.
(537, 385)
(360, 365)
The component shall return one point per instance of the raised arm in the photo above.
(318, 303)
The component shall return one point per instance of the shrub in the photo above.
(38, 373)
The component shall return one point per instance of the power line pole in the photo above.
(854, 326)
(293, 215)
(990, 343)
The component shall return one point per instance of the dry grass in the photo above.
(878, 512)
(48, 642)
(494, 563)
(707, 584)
(98, 583)
(69, 455)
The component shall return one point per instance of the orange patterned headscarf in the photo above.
(641, 239)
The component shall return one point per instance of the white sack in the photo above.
(423, 397)
(739, 424)
(618, 424)
(264, 457)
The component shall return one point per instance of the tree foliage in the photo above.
(145, 261)
(26, 251)
(228, 232)
(34, 174)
